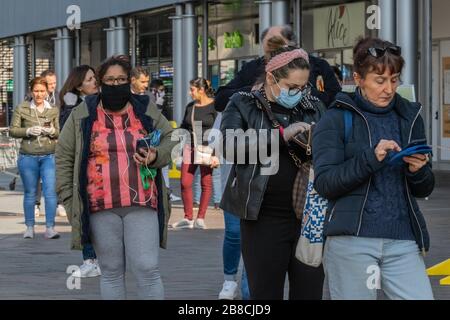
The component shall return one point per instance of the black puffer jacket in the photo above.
(246, 184)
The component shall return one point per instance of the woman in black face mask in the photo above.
(115, 205)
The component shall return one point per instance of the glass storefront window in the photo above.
(227, 71)
(154, 48)
(165, 45)
(148, 48)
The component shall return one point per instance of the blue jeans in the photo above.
(357, 267)
(33, 168)
(232, 253)
(217, 188)
(88, 252)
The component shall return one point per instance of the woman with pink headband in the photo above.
(260, 192)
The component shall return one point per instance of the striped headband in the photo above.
(285, 58)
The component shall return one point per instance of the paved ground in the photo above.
(191, 267)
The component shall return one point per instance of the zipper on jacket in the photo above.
(407, 190)
(233, 184)
(370, 179)
(253, 175)
(417, 220)
(331, 214)
(80, 197)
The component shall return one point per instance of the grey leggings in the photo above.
(131, 233)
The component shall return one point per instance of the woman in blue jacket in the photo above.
(374, 228)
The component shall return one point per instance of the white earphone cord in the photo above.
(136, 193)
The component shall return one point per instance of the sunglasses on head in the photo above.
(377, 52)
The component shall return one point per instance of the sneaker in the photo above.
(50, 233)
(217, 206)
(229, 290)
(89, 269)
(37, 211)
(174, 198)
(29, 233)
(184, 224)
(61, 211)
(200, 224)
(196, 205)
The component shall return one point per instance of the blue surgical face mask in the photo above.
(286, 100)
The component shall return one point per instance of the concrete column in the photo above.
(388, 16)
(407, 34)
(66, 57)
(63, 55)
(177, 48)
(121, 37)
(58, 57)
(205, 36)
(110, 38)
(77, 47)
(20, 70)
(280, 12)
(190, 51)
(265, 15)
(298, 21)
(426, 77)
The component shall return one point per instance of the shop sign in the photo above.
(338, 26)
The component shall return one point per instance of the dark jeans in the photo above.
(268, 249)
(88, 252)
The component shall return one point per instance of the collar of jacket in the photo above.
(404, 108)
(46, 105)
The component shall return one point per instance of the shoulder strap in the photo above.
(194, 136)
(266, 108)
(348, 122)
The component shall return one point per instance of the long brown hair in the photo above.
(75, 80)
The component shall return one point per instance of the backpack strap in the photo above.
(348, 122)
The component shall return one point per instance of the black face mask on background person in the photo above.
(115, 98)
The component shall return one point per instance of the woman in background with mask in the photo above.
(269, 226)
(100, 183)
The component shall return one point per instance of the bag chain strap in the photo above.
(262, 98)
